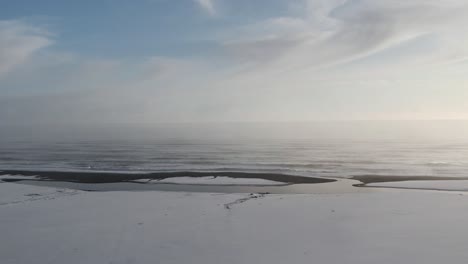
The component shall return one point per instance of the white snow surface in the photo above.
(220, 180)
(451, 185)
(382, 226)
(11, 194)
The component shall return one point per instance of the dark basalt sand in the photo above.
(291, 183)
(111, 177)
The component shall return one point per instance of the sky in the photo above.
(158, 61)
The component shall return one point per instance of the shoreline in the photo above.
(112, 177)
(367, 179)
(226, 182)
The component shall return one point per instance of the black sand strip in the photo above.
(111, 177)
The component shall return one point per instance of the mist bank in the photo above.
(395, 130)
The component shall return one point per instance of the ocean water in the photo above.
(319, 149)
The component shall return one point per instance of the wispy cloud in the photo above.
(340, 31)
(18, 42)
(336, 60)
(208, 6)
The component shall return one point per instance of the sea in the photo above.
(340, 149)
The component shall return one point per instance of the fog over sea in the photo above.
(328, 149)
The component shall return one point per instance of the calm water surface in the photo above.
(337, 151)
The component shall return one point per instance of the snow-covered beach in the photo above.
(233, 132)
(51, 225)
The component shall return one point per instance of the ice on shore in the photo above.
(383, 226)
(213, 181)
(451, 185)
(15, 177)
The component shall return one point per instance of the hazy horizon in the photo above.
(398, 131)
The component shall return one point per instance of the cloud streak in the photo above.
(208, 6)
(334, 32)
(18, 42)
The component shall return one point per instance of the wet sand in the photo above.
(114, 177)
(105, 181)
(289, 184)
